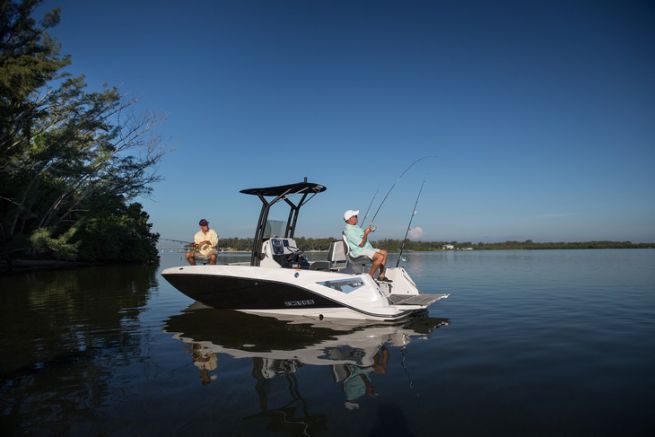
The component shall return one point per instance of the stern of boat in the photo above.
(402, 293)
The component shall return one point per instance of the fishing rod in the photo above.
(185, 246)
(175, 241)
(402, 247)
(369, 206)
(396, 181)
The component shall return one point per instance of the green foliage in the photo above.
(314, 243)
(60, 248)
(235, 243)
(123, 235)
(29, 58)
(67, 155)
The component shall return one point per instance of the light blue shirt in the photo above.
(354, 385)
(354, 235)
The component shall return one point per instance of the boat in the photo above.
(280, 279)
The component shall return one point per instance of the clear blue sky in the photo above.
(541, 114)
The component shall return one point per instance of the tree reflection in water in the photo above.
(62, 334)
(354, 353)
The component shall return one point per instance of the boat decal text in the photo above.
(299, 303)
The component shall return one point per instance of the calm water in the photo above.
(529, 343)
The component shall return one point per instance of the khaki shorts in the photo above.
(368, 253)
(203, 251)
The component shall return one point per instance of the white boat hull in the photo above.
(315, 294)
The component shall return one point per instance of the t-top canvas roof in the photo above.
(306, 191)
(297, 188)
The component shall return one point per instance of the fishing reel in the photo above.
(205, 249)
(372, 227)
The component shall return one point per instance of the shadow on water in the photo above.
(62, 334)
(279, 349)
(390, 420)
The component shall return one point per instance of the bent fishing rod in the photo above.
(174, 241)
(402, 247)
(394, 185)
(370, 204)
(186, 246)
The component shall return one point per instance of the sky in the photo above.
(539, 116)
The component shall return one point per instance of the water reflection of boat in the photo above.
(309, 341)
(353, 352)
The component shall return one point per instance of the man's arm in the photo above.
(199, 239)
(366, 232)
(213, 239)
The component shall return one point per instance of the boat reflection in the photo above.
(354, 353)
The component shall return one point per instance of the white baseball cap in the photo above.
(350, 213)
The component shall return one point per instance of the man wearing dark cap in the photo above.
(204, 244)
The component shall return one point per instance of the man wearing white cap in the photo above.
(359, 245)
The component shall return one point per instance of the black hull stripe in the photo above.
(228, 292)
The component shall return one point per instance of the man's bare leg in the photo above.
(378, 263)
(383, 254)
(377, 260)
(212, 259)
(190, 258)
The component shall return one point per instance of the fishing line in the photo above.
(396, 181)
(403, 364)
(369, 206)
(402, 247)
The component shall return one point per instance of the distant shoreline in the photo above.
(244, 245)
(30, 265)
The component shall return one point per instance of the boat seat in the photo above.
(359, 263)
(319, 265)
(336, 258)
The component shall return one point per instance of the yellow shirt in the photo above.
(210, 236)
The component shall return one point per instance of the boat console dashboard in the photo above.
(283, 252)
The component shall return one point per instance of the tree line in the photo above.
(71, 160)
(393, 245)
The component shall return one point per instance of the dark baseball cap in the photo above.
(203, 222)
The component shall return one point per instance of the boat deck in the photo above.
(415, 299)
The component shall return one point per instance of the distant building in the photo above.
(448, 247)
